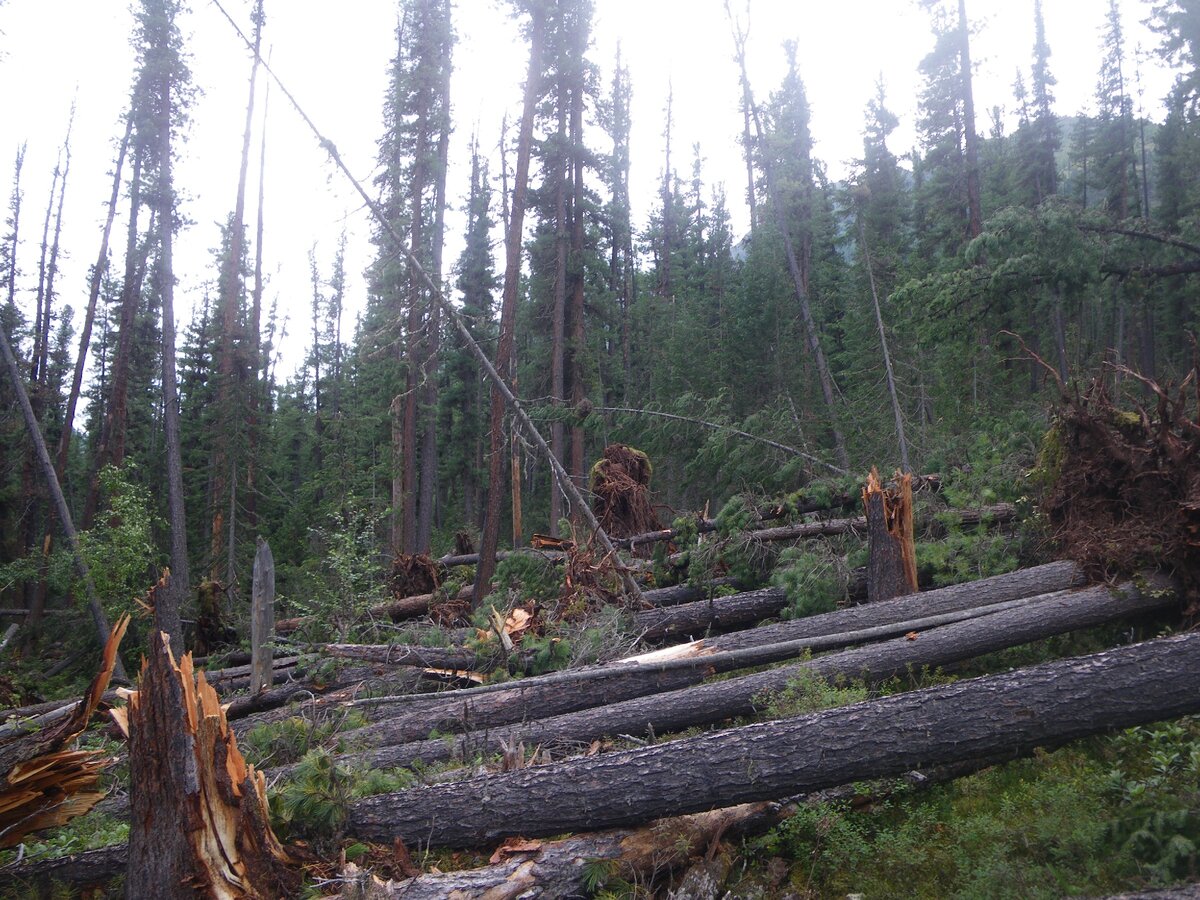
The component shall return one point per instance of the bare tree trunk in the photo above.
(558, 320)
(970, 138)
(64, 514)
(173, 598)
(429, 394)
(85, 335)
(887, 356)
(227, 446)
(799, 278)
(414, 354)
(578, 333)
(257, 370)
(111, 446)
(508, 315)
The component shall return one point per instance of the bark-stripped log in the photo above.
(676, 710)
(1048, 704)
(199, 822)
(547, 695)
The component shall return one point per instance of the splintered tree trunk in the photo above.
(200, 824)
(1046, 705)
(892, 566)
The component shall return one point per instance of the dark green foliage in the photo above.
(811, 580)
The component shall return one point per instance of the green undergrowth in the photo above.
(1100, 816)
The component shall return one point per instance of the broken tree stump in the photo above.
(1046, 705)
(262, 618)
(200, 825)
(892, 564)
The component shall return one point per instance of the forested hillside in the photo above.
(875, 320)
(1003, 316)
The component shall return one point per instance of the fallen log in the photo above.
(91, 867)
(1044, 705)
(997, 514)
(546, 695)
(459, 658)
(1030, 582)
(731, 612)
(663, 713)
(418, 605)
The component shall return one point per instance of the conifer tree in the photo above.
(413, 156)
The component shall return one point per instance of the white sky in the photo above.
(333, 56)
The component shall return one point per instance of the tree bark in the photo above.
(170, 601)
(262, 624)
(1045, 705)
(508, 313)
(892, 565)
(676, 710)
(1055, 576)
(542, 696)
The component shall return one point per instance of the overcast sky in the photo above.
(333, 56)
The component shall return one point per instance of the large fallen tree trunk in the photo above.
(649, 856)
(727, 613)
(1045, 705)
(546, 695)
(1030, 582)
(675, 710)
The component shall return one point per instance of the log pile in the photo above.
(667, 803)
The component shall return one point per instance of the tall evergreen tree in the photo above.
(413, 156)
